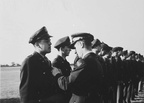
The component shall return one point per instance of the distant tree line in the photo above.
(13, 64)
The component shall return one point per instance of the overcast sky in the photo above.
(115, 22)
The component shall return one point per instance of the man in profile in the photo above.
(60, 62)
(37, 83)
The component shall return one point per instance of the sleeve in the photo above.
(28, 77)
(23, 87)
(56, 63)
(23, 74)
(64, 81)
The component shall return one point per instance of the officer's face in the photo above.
(122, 57)
(114, 54)
(95, 50)
(66, 50)
(45, 46)
(103, 52)
(119, 53)
(78, 48)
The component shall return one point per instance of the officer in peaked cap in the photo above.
(125, 52)
(105, 49)
(40, 34)
(60, 62)
(115, 49)
(131, 53)
(65, 41)
(37, 82)
(81, 36)
(95, 43)
(104, 46)
(96, 46)
(62, 45)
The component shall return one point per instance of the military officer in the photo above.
(62, 45)
(96, 46)
(117, 51)
(118, 70)
(37, 84)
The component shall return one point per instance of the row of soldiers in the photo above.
(123, 71)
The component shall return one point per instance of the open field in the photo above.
(9, 84)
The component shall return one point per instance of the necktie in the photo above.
(48, 61)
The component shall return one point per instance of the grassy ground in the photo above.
(9, 84)
(10, 100)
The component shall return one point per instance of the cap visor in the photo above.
(72, 46)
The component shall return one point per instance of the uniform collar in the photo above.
(86, 54)
(42, 56)
(61, 57)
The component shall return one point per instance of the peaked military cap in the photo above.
(39, 35)
(115, 49)
(81, 36)
(105, 47)
(131, 53)
(95, 43)
(65, 41)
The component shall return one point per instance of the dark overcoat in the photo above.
(62, 64)
(86, 79)
(65, 69)
(36, 80)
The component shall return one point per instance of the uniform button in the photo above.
(39, 101)
(43, 72)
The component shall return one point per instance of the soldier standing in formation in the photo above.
(122, 72)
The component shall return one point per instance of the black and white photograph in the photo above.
(72, 51)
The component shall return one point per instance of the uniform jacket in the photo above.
(63, 65)
(65, 69)
(85, 80)
(36, 79)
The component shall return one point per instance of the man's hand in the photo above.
(56, 71)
